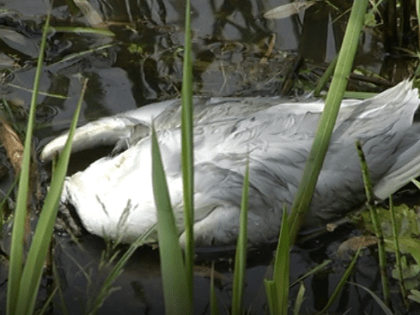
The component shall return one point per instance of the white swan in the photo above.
(114, 197)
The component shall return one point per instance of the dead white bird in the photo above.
(114, 196)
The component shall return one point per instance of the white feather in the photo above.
(114, 197)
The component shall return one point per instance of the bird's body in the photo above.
(114, 196)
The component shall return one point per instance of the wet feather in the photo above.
(277, 137)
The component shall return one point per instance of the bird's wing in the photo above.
(108, 130)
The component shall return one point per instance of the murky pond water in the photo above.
(143, 64)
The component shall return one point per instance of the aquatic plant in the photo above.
(25, 275)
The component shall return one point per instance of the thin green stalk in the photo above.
(327, 74)
(16, 255)
(63, 307)
(241, 249)
(44, 308)
(385, 309)
(82, 53)
(397, 252)
(341, 284)
(39, 92)
(375, 221)
(106, 288)
(327, 121)
(187, 148)
(312, 271)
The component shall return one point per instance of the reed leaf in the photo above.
(187, 153)
(174, 277)
(241, 249)
(16, 255)
(278, 289)
(370, 202)
(32, 272)
(327, 121)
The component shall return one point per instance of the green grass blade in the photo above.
(278, 289)
(327, 121)
(299, 299)
(44, 308)
(342, 282)
(16, 255)
(385, 309)
(327, 74)
(62, 305)
(370, 202)
(188, 151)
(106, 288)
(282, 265)
(241, 249)
(81, 54)
(214, 307)
(398, 260)
(32, 272)
(271, 292)
(174, 277)
(312, 271)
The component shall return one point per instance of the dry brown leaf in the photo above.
(12, 144)
(354, 243)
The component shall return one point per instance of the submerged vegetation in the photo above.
(397, 229)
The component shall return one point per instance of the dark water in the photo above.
(143, 64)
